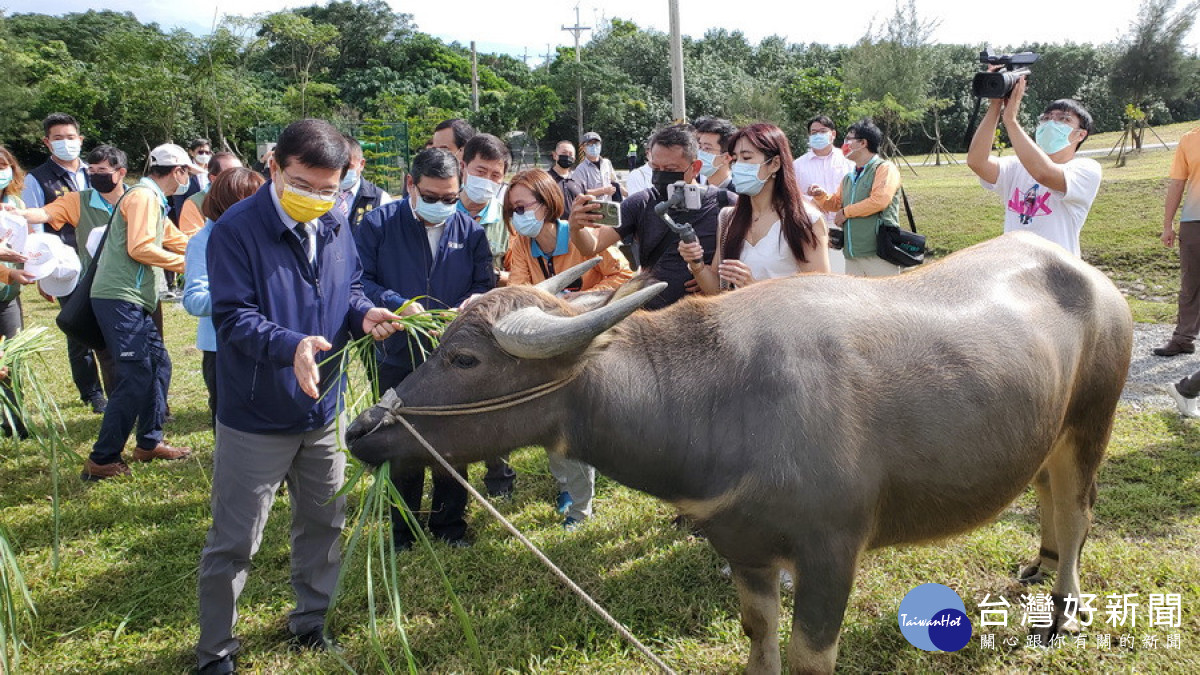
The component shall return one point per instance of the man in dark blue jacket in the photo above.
(285, 283)
(426, 249)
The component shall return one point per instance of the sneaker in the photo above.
(1187, 406)
(96, 472)
(564, 502)
(1174, 349)
(161, 451)
(99, 404)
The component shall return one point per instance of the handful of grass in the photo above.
(424, 330)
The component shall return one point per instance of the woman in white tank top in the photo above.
(773, 231)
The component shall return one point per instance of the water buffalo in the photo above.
(806, 420)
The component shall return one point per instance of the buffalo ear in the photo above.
(533, 333)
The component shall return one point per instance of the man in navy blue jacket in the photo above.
(285, 281)
(423, 247)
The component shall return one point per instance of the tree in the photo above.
(302, 49)
(1154, 64)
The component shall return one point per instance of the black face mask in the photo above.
(104, 182)
(564, 161)
(661, 179)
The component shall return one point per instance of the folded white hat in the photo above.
(65, 277)
(41, 254)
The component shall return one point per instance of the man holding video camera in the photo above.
(673, 158)
(1048, 189)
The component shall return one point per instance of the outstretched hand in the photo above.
(305, 364)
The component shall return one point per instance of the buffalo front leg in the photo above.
(823, 582)
(758, 591)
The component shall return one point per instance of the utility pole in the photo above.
(474, 79)
(548, 55)
(677, 96)
(576, 30)
(525, 59)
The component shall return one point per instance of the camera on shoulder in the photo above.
(999, 83)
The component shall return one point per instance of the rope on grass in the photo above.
(587, 599)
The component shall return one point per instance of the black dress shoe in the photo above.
(224, 666)
(1174, 349)
(315, 640)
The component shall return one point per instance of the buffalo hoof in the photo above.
(1032, 575)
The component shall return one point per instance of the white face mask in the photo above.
(481, 190)
(66, 150)
(203, 157)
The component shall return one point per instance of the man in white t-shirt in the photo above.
(825, 165)
(1046, 189)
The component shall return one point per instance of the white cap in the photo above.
(65, 277)
(42, 254)
(13, 231)
(169, 154)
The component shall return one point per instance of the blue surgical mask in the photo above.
(350, 179)
(746, 180)
(481, 190)
(527, 224)
(435, 213)
(66, 150)
(819, 141)
(1052, 136)
(706, 163)
(592, 150)
(5, 177)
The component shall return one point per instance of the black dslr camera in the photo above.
(999, 83)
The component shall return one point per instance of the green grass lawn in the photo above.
(124, 599)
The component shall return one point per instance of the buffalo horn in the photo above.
(531, 333)
(557, 283)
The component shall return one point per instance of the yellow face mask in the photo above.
(304, 206)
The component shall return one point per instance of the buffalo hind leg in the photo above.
(823, 581)
(758, 591)
(1034, 572)
(1072, 470)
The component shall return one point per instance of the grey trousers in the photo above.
(576, 479)
(870, 266)
(247, 471)
(1189, 283)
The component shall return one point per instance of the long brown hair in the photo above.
(17, 184)
(228, 188)
(785, 198)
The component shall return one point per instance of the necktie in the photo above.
(343, 203)
(307, 241)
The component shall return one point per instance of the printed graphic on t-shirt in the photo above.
(1032, 202)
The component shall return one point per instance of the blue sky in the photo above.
(537, 24)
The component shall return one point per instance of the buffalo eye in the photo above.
(463, 360)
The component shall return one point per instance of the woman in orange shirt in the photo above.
(542, 245)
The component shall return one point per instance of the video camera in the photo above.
(999, 83)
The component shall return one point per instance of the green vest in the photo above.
(860, 232)
(90, 218)
(198, 200)
(119, 277)
(9, 292)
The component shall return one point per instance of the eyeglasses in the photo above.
(1057, 116)
(847, 139)
(520, 209)
(306, 190)
(433, 200)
